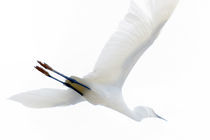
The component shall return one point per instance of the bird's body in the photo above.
(103, 86)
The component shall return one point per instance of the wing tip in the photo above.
(158, 10)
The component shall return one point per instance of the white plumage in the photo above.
(135, 34)
(48, 98)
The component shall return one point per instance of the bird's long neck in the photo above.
(120, 106)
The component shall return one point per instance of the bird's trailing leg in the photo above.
(46, 66)
(47, 74)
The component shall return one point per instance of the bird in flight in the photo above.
(103, 86)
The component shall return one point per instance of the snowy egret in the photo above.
(138, 30)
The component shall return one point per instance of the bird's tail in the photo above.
(43, 98)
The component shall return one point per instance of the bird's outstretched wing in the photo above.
(135, 34)
(43, 98)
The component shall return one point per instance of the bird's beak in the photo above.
(160, 117)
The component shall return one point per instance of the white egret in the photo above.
(103, 85)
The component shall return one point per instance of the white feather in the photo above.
(138, 30)
(48, 98)
(134, 35)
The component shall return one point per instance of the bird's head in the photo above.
(142, 112)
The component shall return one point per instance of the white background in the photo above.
(173, 76)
